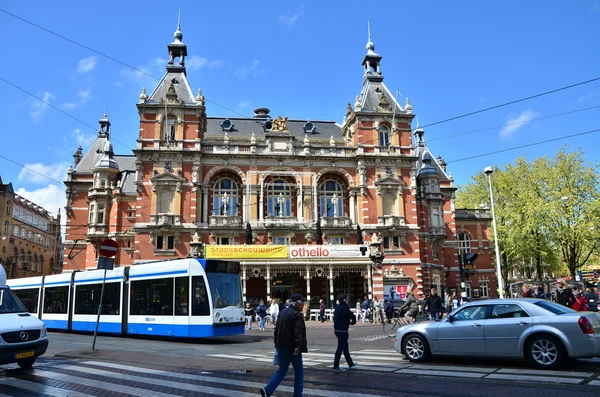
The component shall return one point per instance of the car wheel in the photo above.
(26, 364)
(415, 348)
(545, 351)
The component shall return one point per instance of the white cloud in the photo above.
(33, 172)
(85, 95)
(38, 108)
(244, 71)
(289, 19)
(82, 138)
(51, 198)
(196, 62)
(69, 105)
(243, 104)
(513, 124)
(87, 64)
(590, 96)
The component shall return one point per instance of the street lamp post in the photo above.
(489, 171)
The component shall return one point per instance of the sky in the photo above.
(301, 59)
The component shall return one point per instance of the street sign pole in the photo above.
(99, 311)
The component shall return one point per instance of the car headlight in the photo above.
(44, 332)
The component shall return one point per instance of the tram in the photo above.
(180, 298)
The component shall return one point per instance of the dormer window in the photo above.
(309, 127)
(384, 135)
(268, 125)
(226, 125)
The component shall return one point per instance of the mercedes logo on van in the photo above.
(24, 336)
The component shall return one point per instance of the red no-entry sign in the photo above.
(108, 248)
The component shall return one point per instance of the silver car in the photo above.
(540, 331)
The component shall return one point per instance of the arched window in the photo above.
(165, 201)
(331, 198)
(388, 204)
(384, 135)
(464, 243)
(170, 130)
(279, 198)
(225, 197)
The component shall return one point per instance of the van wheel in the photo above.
(26, 364)
(545, 351)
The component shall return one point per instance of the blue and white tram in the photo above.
(183, 298)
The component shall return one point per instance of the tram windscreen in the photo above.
(225, 289)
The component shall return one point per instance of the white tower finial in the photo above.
(369, 29)
(179, 18)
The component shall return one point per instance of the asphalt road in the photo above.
(239, 366)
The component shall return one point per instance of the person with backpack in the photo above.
(412, 309)
(592, 300)
(343, 318)
(290, 343)
(433, 303)
(261, 311)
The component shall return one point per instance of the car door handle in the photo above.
(522, 323)
(476, 325)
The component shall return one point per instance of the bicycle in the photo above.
(268, 320)
(391, 326)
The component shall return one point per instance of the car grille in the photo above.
(15, 337)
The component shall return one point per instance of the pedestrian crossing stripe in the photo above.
(101, 377)
(388, 361)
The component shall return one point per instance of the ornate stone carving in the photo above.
(279, 124)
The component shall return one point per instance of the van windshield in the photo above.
(9, 303)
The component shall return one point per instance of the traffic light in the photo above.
(466, 263)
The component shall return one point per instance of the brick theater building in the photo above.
(307, 206)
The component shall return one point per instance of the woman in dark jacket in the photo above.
(389, 310)
(322, 311)
(564, 295)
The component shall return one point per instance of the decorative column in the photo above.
(331, 298)
(244, 283)
(205, 204)
(261, 208)
(268, 280)
(352, 207)
(300, 202)
(308, 285)
(369, 282)
(245, 208)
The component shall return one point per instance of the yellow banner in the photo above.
(245, 251)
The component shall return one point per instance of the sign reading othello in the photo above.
(328, 251)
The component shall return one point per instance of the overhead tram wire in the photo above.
(524, 146)
(245, 116)
(106, 56)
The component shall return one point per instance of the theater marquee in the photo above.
(328, 251)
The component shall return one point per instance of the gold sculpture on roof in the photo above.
(279, 124)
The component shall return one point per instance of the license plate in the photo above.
(25, 355)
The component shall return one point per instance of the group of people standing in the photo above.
(577, 299)
(261, 311)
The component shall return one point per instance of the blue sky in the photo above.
(301, 59)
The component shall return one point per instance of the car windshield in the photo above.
(554, 307)
(225, 288)
(9, 303)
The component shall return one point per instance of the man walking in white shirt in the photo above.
(274, 311)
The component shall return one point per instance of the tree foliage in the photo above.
(547, 210)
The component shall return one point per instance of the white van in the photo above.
(23, 337)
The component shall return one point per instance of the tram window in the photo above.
(56, 300)
(29, 297)
(225, 289)
(200, 306)
(153, 297)
(87, 298)
(182, 293)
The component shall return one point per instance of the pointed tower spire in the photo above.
(372, 59)
(177, 49)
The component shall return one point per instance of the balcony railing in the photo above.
(97, 229)
(391, 220)
(170, 145)
(437, 230)
(336, 221)
(225, 220)
(165, 219)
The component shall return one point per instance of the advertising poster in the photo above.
(394, 292)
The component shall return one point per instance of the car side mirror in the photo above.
(450, 319)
